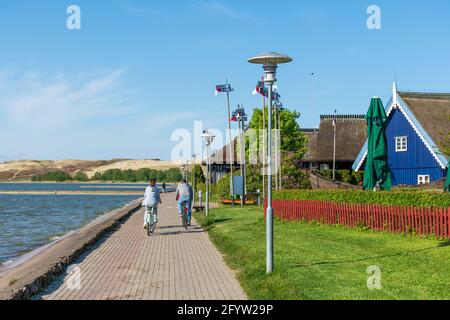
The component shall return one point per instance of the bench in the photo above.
(198, 208)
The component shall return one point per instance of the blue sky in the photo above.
(137, 70)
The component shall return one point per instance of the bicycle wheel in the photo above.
(149, 229)
(184, 217)
(152, 223)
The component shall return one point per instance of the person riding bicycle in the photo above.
(152, 198)
(184, 194)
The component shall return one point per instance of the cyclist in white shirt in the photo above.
(152, 198)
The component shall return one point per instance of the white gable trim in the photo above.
(397, 105)
(433, 153)
(362, 161)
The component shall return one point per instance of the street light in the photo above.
(227, 88)
(270, 63)
(194, 157)
(241, 117)
(209, 139)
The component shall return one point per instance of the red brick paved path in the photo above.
(172, 264)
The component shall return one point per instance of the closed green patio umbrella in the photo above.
(377, 170)
(447, 181)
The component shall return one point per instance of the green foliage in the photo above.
(292, 139)
(292, 176)
(402, 198)
(222, 187)
(346, 176)
(81, 176)
(199, 176)
(57, 176)
(202, 187)
(141, 175)
(173, 175)
(144, 174)
(321, 262)
(254, 178)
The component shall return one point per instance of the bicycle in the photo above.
(185, 210)
(151, 221)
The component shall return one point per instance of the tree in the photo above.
(173, 175)
(292, 176)
(81, 176)
(57, 176)
(292, 139)
(198, 172)
(292, 148)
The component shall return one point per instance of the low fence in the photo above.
(390, 218)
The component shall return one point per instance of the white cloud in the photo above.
(60, 100)
(84, 115)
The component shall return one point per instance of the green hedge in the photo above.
(403, 198)
(346, 176)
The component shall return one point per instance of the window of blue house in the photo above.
(423, 179)
(401, 144)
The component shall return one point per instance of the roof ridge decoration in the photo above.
(397, 103)
(342, 116)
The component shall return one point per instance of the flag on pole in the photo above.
(261, 89)
(334, 119)
(223, 88)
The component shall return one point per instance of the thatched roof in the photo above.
(351, 133)
(311, 135)
(221, 156)
(432, 110)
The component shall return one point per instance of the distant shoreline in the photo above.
(70, 192)
(80, 182)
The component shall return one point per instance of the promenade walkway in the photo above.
(172, 264)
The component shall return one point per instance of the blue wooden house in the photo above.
(417, 123)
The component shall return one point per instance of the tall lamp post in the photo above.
(241, 117)
(209, 139)
(194, 157)
(227, 88)
(334, 144)
(270, 63)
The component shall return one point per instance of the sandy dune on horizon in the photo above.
(25, 169)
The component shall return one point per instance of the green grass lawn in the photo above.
(314, 261)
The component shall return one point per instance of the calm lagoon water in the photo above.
(30, 221)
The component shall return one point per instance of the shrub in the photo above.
(402, 198)
(56, 176)
(81, 176)
(346, 176)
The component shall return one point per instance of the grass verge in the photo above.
(321, 262)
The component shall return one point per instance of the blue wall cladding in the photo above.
(418, 160)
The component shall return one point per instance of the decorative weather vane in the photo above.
(239, 115)
(226, 88)
(261, 89)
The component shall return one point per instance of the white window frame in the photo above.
(423, 179)
(401, 144)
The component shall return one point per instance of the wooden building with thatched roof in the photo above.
(221, 164)
(351, 133)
